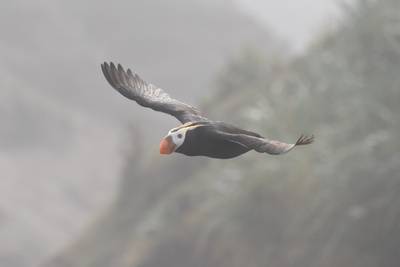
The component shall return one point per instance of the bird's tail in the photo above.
(304, 140)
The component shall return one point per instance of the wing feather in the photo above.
(264, 145)
(130, 85)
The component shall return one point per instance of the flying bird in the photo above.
(198, 135)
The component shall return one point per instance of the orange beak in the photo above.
(167, 146)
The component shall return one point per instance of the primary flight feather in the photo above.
(197, 136)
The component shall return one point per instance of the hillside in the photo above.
(332, 204)
(63, 127)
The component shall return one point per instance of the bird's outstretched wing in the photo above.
(264, 145)
(130, 85)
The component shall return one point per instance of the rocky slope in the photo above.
(332, 204)
(64, 129)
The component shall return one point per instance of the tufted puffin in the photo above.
(198, 135)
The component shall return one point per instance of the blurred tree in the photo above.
(332, 204)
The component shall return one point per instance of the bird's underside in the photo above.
(197, 136)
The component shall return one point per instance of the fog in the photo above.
(297, 22)
(82, 182)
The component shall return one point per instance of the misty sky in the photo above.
(295, 21)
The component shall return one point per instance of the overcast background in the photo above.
(65, 133)
(297, 22)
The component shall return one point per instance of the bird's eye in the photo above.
(179, 136)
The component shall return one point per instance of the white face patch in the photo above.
(178, 137)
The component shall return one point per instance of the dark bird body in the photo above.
(205, 142)
(197, 136)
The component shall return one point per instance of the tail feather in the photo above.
(304, 140)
